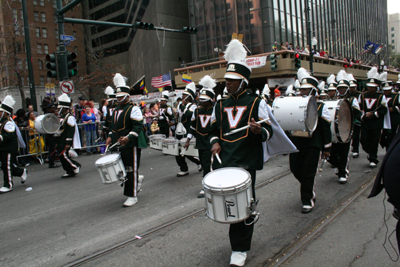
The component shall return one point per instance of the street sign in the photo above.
(67, 37)
(67, 87)
(47, 89)
(52, 89)
(67, 42)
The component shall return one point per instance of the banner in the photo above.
(256, 62)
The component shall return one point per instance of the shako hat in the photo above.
(237, 68)
(373, 77)
(353, 82)
(290, 91)
(8, 104)
(398, 81)
(207, 93)
(266, 91)
(386, 85)
(306, 80)
(120, 84)
(164, 95)
(342, 80)
(331, 81)
(190, 90)
(110, 93)
(64, 101)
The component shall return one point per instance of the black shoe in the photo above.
(67, 175)
(306, 209)
(54, 166)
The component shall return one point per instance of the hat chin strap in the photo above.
(345, 93)
(240, 86)
(59, 112)
(312, 89)
(122, 100)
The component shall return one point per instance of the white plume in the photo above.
(342, 75)
(119, 80)
(321, 85)
(208, 82)
(289, 90)
(302, 73)
(109, 90)
(266, 90)
(9, 101)
(373, 73)
(235, 51)
(383, 76)
(331, 79)
(350, 77)
(297, 84)
(399, 76)
(258, 92)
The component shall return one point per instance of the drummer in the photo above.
(332, 87)
(339, 156)
(185, 111)
(166, 115)
(200, 125)
(243, 149)
(126, 126)
(112, 104)
(304, 164)
(353, 92)
(49, 107)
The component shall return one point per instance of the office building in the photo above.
(394, 32)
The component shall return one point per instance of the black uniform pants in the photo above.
(339, 158)
(51, 147)
(304, 165)
(356, 139)
(9, 168)
(240, 234)
(182, 162)
(131, 159)
(205, 160)
(68, 164)
(164, 130)
(369, 141)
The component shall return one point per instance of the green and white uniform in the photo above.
(165, 115)
(393, 101)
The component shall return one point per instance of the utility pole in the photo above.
(29, 56)
(308, 21)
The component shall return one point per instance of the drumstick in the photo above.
(218, 158)
(183, 152)
(322, 165)
(244, 128)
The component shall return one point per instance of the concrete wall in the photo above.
(394, 22)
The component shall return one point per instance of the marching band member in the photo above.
(200, 124)
(185, 111)
(353, 92)
(339, 156)
(373, 105)
(242, 149)
(112, 104)
(323, 95)
(290, 91)
(332, 89)
(125, 128)
(393, 104)
(304, 164)
(166, 115)
(49, 107)
(65, 137)
(9, 146)
(266, 95)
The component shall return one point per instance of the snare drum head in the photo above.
(157, 136)
(311, 115)
(50, 123)
(107, 159)
(170, 140)
(345, 121)
(226, 178)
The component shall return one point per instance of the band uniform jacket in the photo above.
(108, 121)
(65, 135)
(377, 105)
(185, 113)
(8, 136)
(242, 149)
(322, 136)
(166, 115)
(393, 101)
(355, 108)
(127, 120)
(200, 127)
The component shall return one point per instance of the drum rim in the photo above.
(337, 133)
(109, 162)
(306, 112)
(231, 189)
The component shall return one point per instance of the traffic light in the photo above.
(71, 64)
(297, 61)
(144, 25)
(274, 64)
(189, 29)
(51, 65)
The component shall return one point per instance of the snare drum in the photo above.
(191, 150)
(298, 114)
(47, 124)
(111, 168)
(228, 195)
(156, 141)
(171, 146)
(341, 120)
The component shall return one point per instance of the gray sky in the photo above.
(393, 6)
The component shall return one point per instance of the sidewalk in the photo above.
(354, 238)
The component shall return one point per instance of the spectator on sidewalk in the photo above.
(154, 126)
(22, 122)
(30, 109)
(90, 129)
(149, 117)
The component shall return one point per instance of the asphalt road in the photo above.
(63, 220)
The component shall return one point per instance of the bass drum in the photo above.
(298, 114)
(341, 120)
(47, 124)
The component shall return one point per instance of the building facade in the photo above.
(394, 32)
(44, 39)
(340, 26)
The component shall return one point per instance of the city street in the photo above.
(67, 221)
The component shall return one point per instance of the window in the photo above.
(36, 15)
(20, 66)
(75, 49)
(392, 34)
(56, 31)
(46, 49)
(74, 34)
(26, 64)
(39, 48)
(48, 80)
(18, 47)
(41, 2)
(37, 32)
(392, 41)
(15, 13)
(393, 47)
(44, 32)
(42, 80)
(57, 48)
(23, 80)
(43, 16)
(35, 2)
(54, 4)
(40, 63)
(392, 29)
